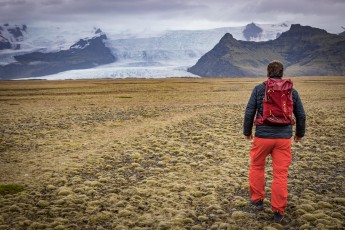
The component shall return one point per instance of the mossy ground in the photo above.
(159, 154)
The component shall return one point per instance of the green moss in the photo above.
(277, 226)
(239, 215)
(202, 218)
(214, 226)
(78, 190)
(93, 183)
(61, 181)
(337, 215)
(223, 226)
(101, 217)
(307, 207)
(10, 189)
(305, 226)
(309, 217)
(323, 221)
(323, 204)
(37, 225)
(321, 226)
(94, 203)
(15, 208)
(339, 200)
(42, 203)
(164, 225)
(103, 179)
(270, 228)
(125, 213)
(198, 194)
(197, 227)
(120, 227)
(188, 221)
(50, 187)
(64, 191)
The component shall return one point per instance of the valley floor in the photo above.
(159, 154)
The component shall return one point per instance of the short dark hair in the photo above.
(275, 69)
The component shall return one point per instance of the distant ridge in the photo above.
(304, 50)
(252, 31)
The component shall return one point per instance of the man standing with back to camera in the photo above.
(272, 136)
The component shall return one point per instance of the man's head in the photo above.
(275, 69)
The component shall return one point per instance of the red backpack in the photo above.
(277, 103)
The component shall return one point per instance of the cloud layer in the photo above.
(176, 14)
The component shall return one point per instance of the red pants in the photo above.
(280, 150)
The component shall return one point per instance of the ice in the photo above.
(116, 71)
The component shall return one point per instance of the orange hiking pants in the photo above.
(280, 150)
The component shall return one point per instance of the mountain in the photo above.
(86, 53)
(42, 48)
(10, 36)
(139, 54)
(303, 50)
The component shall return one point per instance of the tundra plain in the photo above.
(159, 154)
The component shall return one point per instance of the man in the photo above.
(274, 140)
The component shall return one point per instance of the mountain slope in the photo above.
(303, 50)
(86, 53)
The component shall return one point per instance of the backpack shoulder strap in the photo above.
(266, 83)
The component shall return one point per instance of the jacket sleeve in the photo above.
(250, 113)
(299, 113)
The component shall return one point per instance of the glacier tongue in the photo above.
(116, 71)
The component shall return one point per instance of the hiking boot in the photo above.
(258, 205)
(278, 218)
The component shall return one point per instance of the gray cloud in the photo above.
(176, 13)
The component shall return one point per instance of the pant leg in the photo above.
(260, 149)
(281, 159)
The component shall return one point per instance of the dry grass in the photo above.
(159, 154)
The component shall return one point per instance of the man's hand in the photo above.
(249, 138)
(297, 138)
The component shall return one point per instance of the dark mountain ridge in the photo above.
(252, 31)
(86, 53)
(304, 50)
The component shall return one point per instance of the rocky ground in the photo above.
(159, 154)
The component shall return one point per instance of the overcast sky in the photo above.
(176, 14)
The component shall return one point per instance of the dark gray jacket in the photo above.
(255, 106)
